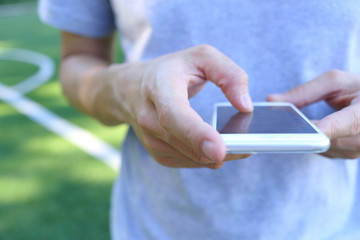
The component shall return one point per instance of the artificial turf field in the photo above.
(49, 189)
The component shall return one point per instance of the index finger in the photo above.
(222, 71)
(327, 85)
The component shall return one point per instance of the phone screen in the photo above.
(263, 120)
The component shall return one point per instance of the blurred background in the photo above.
(49, 188)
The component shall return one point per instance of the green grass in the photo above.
(49, 189)
(3, 2)
(10, 74)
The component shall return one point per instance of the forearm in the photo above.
(85, 83)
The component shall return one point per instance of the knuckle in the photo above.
(143, 121)
(355, 129)
(332, 130)
(243, 75)
(204, 49)
(157, 146)
(189, 131)
(300, 90)
(334, 75)
(240, 79)
(164, 115)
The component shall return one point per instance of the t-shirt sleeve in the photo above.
(90, 18)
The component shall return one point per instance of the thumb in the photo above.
(343, 123)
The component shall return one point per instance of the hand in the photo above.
(153, 98)
(341, 90)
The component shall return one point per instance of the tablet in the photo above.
(273, 127)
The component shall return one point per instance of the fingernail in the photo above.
(246, 100)
(208, 149)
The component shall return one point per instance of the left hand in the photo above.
(341, 90)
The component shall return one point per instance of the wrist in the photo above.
(114, 90)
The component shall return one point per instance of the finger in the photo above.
(175, 162)
(147, 120)
(198, 157)
(347, 148)
(157, 139)
(167, 155)
(231, 157)
(159, 142)
(343, 123)
(177, 117)
(350, 144)
(356, 99)
(181, 161)
(188, 151)
(219, 69)
(173, 148)
(321, 88)
(215, 165)
(187, 163)
(335, 154)
(341, 153)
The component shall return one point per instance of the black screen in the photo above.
(263, 120)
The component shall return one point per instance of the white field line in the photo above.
(44, 63)
(74, 134)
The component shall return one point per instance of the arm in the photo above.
(82, 60)
(153, 97)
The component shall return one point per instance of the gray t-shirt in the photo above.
(280, 44)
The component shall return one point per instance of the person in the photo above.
(176, 180)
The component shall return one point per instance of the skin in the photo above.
(341, 90)
(153, 96)
(141, 95)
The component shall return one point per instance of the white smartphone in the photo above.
(273, 127)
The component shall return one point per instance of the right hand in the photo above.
(153, 98)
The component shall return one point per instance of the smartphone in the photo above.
(273, 127)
